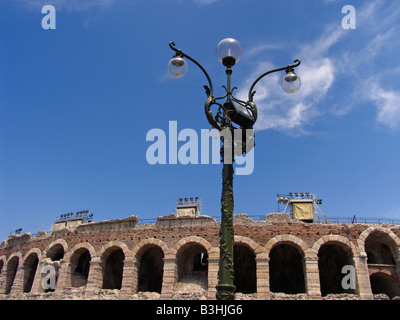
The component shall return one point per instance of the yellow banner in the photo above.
(302, 210)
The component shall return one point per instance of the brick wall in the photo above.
(196, 241)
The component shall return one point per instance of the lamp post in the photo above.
(229, 113)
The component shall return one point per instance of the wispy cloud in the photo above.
(387, 103)
(205, 1)
(335, 57)
(370, 66)
(292, 113)
(67, 5)
(201, 2)
(256, 50)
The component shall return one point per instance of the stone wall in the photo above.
(177, 258)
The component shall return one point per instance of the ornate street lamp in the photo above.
(229, 113)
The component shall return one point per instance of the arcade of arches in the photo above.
(266, 262)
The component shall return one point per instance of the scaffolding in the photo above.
(303, 206)
(188, 207)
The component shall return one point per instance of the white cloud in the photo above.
(331, 35)
(339, 59)
(292, 113)
(317, 77)
(254, 51)
(387, 103)
(291, 119)
(67, 5)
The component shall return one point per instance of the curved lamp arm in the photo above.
(223, 115)
(209, 90)
(289, 67)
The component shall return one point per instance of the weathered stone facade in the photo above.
(177, 258)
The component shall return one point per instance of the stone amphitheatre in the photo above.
(176, 257)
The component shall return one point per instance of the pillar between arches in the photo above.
(213, 267)
(128, 276)
(95, 277)
(262, 275)
(170, 276)
(313, 287)
(18, 283)
(362, 274)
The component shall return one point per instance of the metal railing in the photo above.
(149, 220)
(354, 219)
(317, 219)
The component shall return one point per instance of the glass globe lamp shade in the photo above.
(177, 67)
(291, 82)
(229, 52)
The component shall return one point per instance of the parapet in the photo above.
(173, 221)
(108, 225)
(17, 239)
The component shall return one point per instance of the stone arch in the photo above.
(14, 255)
(194, 239)
(13, 263)
(30, 263)
(112, 256)
(113, 244)
(53, 255)
(394, 241)
(298, 243)
(287, 264)
(245, 268)
(149, 255)
(3, 262)
(83, 245)
(79, 258)
(381, 282)
(334, 252)
(192, 260)
(338, 239)
(56, 250)
(138, 250)
(381, 247)
(247, 241)
(33, 250)
(3, 267)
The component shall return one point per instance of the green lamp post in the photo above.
(230, 114)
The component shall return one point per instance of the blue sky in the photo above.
(77, 102)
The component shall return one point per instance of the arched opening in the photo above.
(193, 264)
(80, 265)
(380, 247)
(151, 270)
(331, 260)
(383, 283)
(113, 268)
(30, 267)
(56, 252)
(286, 270)
(377, 247)
(244, 267)
(12, 267)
